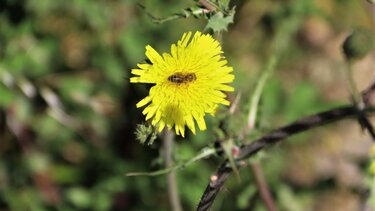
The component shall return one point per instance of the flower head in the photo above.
(189, 82)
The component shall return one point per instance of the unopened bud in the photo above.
(145, 134)
(358, 44)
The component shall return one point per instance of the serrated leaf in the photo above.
(219, 22)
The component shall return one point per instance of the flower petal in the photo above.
(144, 101)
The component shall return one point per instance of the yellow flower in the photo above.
(189, 82)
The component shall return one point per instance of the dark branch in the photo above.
(218, 179)
(298, 126)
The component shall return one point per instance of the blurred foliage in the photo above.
(68, 115)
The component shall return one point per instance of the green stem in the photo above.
(206, 152)
(353, 88)
(172, 186)
(271, 64)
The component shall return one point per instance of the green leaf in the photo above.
(7, 96)
(219, 22)
(80, 197)
(65, 174)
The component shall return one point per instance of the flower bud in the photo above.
(358, 44)
(145, 134)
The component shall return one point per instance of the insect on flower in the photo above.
(180, 78)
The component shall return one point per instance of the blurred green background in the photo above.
(68, 115)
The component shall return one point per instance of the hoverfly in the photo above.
(180, 78)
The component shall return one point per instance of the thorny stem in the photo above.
(173, 196)
(219, 37)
